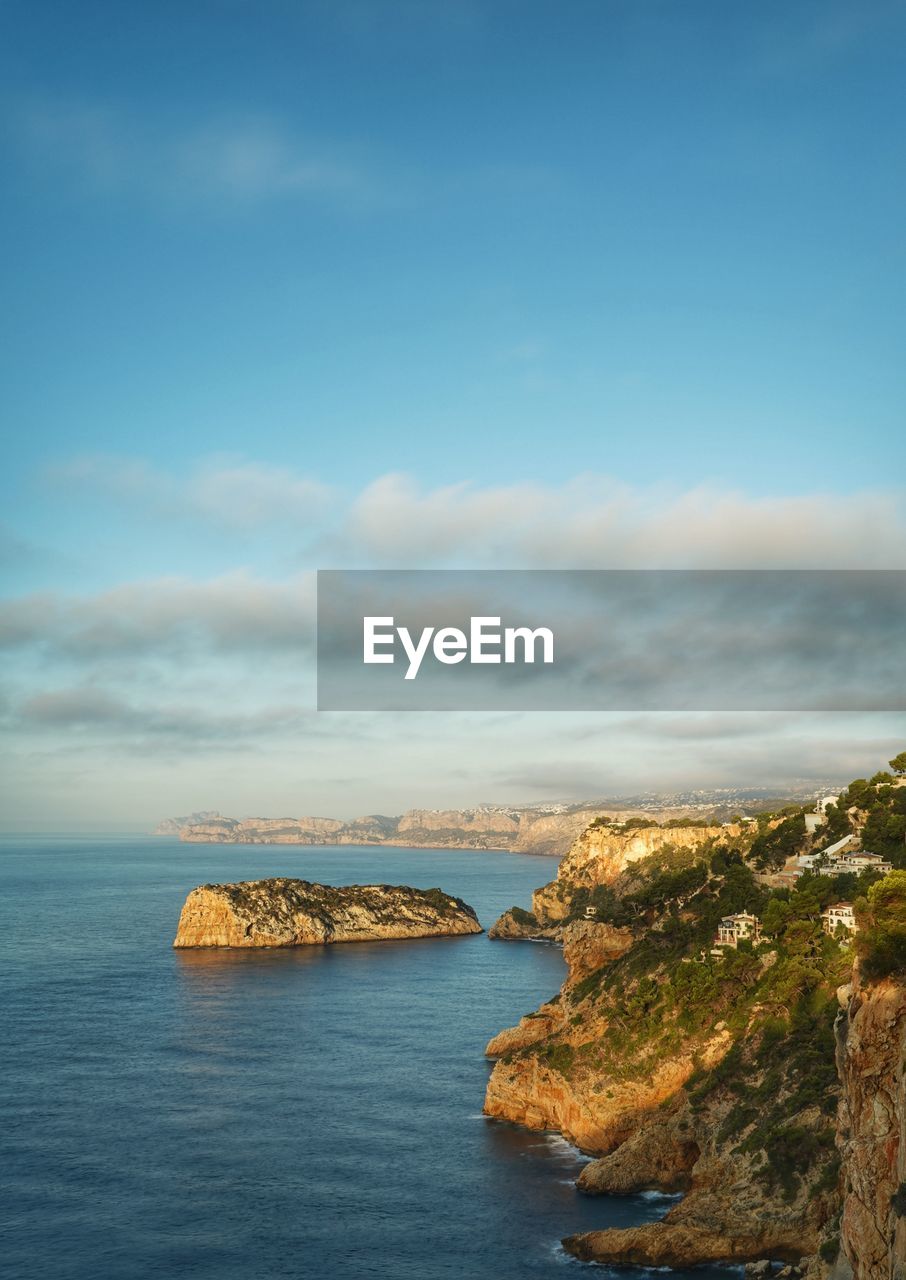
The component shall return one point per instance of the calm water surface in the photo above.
(253, 1116)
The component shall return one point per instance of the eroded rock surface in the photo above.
(871, 1057)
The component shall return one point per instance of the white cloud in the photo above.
(594, 522)
(587, 522)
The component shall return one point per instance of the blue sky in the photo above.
(298, 284)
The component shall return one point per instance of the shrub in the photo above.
(829, 1249)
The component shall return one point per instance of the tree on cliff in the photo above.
(881, 940)
(898, 763)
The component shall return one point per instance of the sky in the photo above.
(410, 283)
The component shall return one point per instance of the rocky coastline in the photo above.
(722, 1076)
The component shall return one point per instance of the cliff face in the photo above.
(289, 913)
(871, 1047)
(727, 1213)
(262, 831)
(682, 1071)
(488, 827)
(523, 831)
(541, 1082)
(598, 856)
(601, 854)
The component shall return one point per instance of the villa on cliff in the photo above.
(842, 856)
(863, 861)
(839, 914)
(819, 817)
(733, 929)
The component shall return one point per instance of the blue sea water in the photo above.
(271, 1115)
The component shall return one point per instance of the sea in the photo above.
(270, 1115)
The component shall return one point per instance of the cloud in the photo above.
(590, 521)
(644, 755)
(86, 708)
(205, 685)
(236, 160)
(594, 522)
(172, 617)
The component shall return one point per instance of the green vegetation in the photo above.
(830, 1249)
(881, 940)
(880, 808)
(771, 847)
(644, 824)
(768, 1006)
(527, 919)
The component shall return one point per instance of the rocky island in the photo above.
(732, 1027)
(291, 913)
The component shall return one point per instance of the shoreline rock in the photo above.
(663, 1244)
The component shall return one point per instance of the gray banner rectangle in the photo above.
(612, 640)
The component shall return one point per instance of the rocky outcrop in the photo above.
(588, 944)
(602, 853)
(665, 1244)
(726, 1215)
(871, 1048)
(656, 1157)
(516, 925)
(529, 1030)
(594, 1110)
(290, 913)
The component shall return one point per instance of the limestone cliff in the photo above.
(529, 830)
(600, 855)
(289, 913)
(681, 1070)
(871, 1049)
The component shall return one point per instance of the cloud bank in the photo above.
(167, 693)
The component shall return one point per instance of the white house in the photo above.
(861, 860)
(839, 914)
(822, 804)
(734, 928)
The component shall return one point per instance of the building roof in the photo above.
(836, 846)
